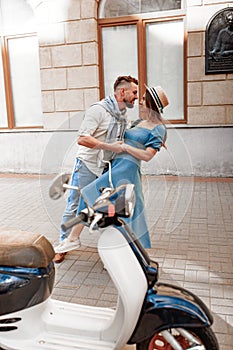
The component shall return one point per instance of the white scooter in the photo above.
(152, 315)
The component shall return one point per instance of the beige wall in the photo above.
(209, 97)
(69, 66)
(67, 31)
(69, 63)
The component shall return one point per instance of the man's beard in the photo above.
(129, 104)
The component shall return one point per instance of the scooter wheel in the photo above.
(203, 337)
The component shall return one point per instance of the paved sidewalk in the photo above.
(191, 225)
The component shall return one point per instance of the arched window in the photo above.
(20, 92)
(145, 39)
(111, 8)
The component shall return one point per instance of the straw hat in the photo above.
(159, 97)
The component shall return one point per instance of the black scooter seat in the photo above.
(25, 249)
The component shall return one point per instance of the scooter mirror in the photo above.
(56, 189)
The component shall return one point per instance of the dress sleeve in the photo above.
(156, 137)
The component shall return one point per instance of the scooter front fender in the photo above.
(167, 306)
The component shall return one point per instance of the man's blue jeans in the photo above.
(81, 176)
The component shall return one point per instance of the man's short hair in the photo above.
(122, 79)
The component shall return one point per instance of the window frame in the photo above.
(140, 20)
(8, 84)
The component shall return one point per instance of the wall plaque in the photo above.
(219, 43)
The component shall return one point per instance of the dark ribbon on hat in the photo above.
(156, 97)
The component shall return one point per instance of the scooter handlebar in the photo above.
(72, 222)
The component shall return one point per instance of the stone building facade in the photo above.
(69, 65)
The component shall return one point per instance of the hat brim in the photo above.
(159, 102)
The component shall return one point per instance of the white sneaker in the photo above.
(66, 246)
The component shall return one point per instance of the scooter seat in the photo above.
(25, 249)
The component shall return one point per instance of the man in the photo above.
(103, 126)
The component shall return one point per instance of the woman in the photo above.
(141, 142)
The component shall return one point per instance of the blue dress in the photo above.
(126, 169)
